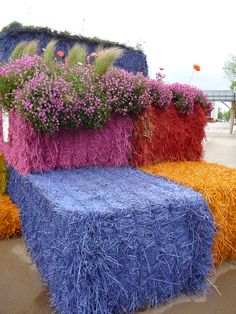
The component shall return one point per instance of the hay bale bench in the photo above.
(9, 214)
(29, 151)
(217, 184)
(113, 240)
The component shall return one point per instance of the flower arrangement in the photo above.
(185, 96)
(84, 90)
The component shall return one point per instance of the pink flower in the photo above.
(160, 76)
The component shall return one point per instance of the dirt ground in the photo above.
(23, 292)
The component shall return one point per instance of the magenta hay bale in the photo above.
(113, 240)
(29, 151)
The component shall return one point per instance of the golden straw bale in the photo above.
(3, 175)
(10, 224)
(217, 184)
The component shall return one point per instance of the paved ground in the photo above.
(22, 291)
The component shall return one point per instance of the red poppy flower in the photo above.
(60, 53)
(196, 67)
(162, 69)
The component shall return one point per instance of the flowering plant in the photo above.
(124, 92)
(69, 95)
(183, 97)
(160, 94)
(13, 75)
(48, 103)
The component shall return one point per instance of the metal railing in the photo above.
(221, 95)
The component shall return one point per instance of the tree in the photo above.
(227, 115)
(230, 70)
(11, 26)
(220, 114)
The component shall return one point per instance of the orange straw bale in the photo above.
(3, 175)
(9, 218)
(218, 186)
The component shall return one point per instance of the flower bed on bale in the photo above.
(217, 184)
(30, 151)
(112, 245)
(49, 101)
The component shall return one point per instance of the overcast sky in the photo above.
(175, 34)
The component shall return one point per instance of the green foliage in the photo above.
(227, 115)
(105, 59)
(18, 51)
(49, 52)
(31, 48)
(230, 68)
(77, 54)
(7, 86)
(220, 114)
(233, 85)
(11, 26)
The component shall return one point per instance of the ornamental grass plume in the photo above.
(31, 48)
(17, 52)
(105, 59)
(48, 55)
(77, 55)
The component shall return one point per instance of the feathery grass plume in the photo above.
(31, 48)
(17, 52)
(77, 54)
(105, 59)
(49, 52)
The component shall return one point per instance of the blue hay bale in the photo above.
(132, 60)
(113, 240)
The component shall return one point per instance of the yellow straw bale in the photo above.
(217, 184)
(9, 218)
(3, 175)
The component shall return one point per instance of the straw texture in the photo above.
(217, 184)
(113, 240)
(160, 136)
(29, 151)
(9, 218)
(3, 175)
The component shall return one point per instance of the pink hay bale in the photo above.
(29, 151)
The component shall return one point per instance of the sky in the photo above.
(175, 34)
